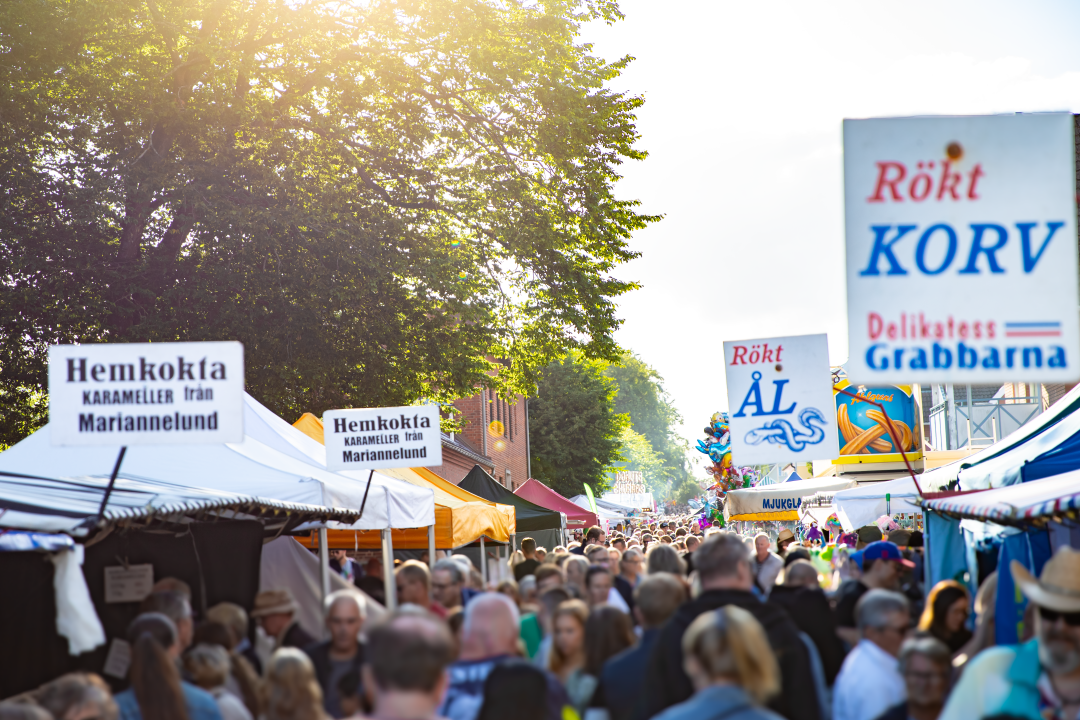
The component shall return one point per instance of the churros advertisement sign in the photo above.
(961, 249)
(864, 433)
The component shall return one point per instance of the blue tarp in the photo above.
(946, 552)
(1032, 549)
(1063, 458)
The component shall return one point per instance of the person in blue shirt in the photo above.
(157, 692)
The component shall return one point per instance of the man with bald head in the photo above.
(489, 637)
(342, 655)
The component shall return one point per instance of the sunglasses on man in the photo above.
(1071, 619)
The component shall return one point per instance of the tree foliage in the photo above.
(640, 456)
(641, 396)
(574, 431)
(374, 196)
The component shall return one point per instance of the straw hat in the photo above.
(272, 602)
(1058, 588)
(785, 534)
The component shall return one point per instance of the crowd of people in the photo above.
(668, 620)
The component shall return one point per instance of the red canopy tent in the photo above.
(540, 494)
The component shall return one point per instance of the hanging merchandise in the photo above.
(832, 524)
(886, 524)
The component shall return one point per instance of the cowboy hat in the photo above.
(272, 602)
(1058, 586)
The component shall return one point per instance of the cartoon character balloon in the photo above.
(717, 445)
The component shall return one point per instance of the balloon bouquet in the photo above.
(727, 477)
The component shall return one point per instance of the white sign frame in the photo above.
(121, 394)
(387, 437)
(962, 249)
(781, 400)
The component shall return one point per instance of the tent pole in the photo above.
(388, 569)
(431, 545)
(112, 482)
(483, 562)
(513, 543)
(324, 563)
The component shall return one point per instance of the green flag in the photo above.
(592, 500)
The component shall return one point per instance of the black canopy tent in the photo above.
(210, 539)
(543, 525)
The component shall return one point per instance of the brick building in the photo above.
(495, 437)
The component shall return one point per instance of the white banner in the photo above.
(390, 437)
(146, 393)
(780, 394)
(962, 249)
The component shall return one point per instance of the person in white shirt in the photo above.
(598, 555)
(765, 565)
(870, 682)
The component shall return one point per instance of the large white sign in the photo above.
(389, 437)
(780, 395)
(146, 394)
(962, 249)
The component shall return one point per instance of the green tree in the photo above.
(374, 196)
(574, 431)
(641, 457)
(642, 397)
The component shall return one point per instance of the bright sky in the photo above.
(742, 120)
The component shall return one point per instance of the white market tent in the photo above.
(606, 515)
(1023, 462)
(70, 504)
(409, 506)
(779, 502)
(1038, 500)
(859, 506)
(247, 468)
(973, 476)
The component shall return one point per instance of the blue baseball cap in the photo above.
(857, 558)
(885, 550)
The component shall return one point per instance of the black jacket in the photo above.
(627, 591)
(295, 636)
(320, 658)
(896, 712)
(666, 684)
(810, 610)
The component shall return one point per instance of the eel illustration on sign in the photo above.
(782, 432)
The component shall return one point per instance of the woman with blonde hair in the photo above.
(208, 665)
(732, 667)
(291, 690)
(664, 558)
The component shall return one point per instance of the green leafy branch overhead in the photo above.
(375, 196)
